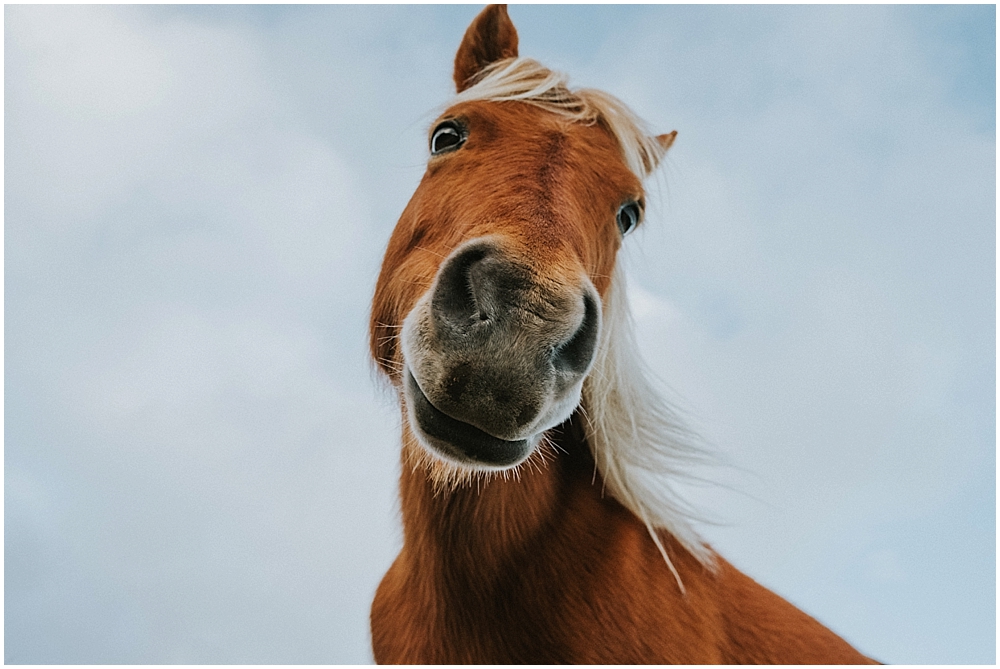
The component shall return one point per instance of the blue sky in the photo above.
(199, 467)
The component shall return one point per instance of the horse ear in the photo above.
(652, 160)
(490, 38)
(667, 140)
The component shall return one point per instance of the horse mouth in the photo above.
(456, 440)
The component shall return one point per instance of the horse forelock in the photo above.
(527, 80)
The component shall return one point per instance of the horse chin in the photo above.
(458, 442)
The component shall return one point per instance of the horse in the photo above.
(539, 520)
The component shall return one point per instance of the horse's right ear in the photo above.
(490, 38)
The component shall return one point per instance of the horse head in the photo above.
(490, 306)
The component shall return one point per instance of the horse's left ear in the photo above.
(490, 38)
(667, 140)
(652, 161)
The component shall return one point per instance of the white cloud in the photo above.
(187, 281)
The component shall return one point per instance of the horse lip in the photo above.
(458, 440)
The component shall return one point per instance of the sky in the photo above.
(200, 465)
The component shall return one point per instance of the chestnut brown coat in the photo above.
(521, 555)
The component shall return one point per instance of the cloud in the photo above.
(183, 275)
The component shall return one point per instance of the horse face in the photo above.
(488, 309)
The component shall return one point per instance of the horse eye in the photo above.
(628, 217)
(446, 137)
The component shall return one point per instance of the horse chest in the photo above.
(613, 605)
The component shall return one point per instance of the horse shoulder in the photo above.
(762, 627)
(617, 600)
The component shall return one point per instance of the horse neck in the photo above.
(481, 527)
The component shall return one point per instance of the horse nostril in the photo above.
(577, 352)
(478, 284)
(454, 298)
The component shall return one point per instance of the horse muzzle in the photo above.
(495, 354)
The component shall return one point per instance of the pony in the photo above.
(539, 521)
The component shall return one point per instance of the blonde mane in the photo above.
(639, 444)
(527, 80)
